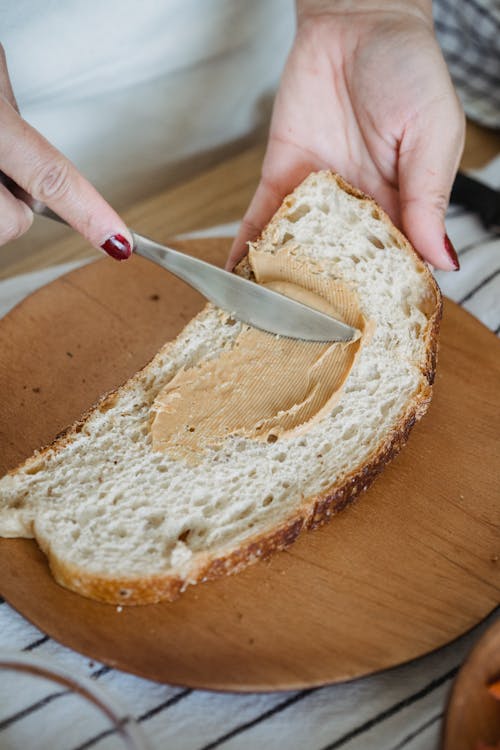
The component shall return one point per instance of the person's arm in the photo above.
(34, 164)
(366, 93)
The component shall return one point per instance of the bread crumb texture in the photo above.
(124, 523)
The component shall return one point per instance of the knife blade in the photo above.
(244, 300)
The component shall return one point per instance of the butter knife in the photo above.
(244, 300)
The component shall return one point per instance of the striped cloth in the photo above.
(398, 709)
(469, 35)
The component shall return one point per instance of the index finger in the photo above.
(48, 176)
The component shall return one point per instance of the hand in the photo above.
(48, 176)
(366, 93)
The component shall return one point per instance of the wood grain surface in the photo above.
(412, 565)
(473, 714)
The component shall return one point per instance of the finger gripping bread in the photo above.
(124, 523)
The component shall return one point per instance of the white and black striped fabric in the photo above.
(400, 709)
(469, 34)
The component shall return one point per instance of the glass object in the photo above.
(44, 706)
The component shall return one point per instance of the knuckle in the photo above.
(440, 202)
(435, 201)
(51, 181)
(248, 227)
(269, 183)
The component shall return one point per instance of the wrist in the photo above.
(309, 8)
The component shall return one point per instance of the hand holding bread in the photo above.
(366, 92)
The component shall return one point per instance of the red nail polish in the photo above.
(118, 247)
(451, 253)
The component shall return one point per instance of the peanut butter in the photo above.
(265, 387)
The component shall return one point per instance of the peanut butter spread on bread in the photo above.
(264, 387)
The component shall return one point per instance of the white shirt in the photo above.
(130, 89)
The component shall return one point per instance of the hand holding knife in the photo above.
(245, 300)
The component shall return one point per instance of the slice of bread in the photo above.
(124, 523)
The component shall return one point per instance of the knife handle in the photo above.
(478, 197)
(38, 208)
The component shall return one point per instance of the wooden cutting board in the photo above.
(412, 565)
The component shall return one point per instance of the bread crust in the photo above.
(313, 512)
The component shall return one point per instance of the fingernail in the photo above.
(451, 253)
(118, 247)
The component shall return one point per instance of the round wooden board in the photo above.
(409, 567)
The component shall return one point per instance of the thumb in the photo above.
(263, 205)
(428, 162)
(284, 166)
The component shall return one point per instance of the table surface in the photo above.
(217, 195)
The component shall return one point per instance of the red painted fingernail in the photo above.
(451, 253)
(118, 247)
